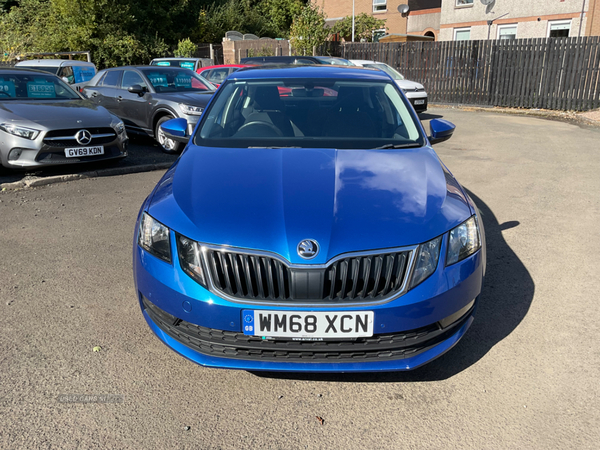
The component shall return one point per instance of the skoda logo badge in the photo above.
(84, 137)
(308, 249)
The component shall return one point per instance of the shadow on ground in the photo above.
(429, 116)
(504, 302)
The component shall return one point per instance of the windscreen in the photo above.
(50, 69)
(309, 113)
(34, 87)
(387, 69)
(185, 64)
(176, 80)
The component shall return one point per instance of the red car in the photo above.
(217, 74)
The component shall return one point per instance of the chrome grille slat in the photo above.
(362, 277)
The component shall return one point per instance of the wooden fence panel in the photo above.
(553, 73)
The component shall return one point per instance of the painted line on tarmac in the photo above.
(23, 184)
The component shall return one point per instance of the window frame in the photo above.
(377, 6)
(504, 26)
(457, 30)
(559, 22)
(143, 84)
(463, 3)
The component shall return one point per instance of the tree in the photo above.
(186, 48)
(364, 26)
(308, 30)
(280, 14)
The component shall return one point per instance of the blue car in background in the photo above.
(309, 226)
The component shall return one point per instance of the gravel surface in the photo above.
(79, 367)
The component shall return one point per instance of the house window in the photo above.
(507, 32)
(379, 5)
(464, 2)
(559, 28)
(462, 34)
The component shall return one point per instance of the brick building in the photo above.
(468, 19)
(518, 19)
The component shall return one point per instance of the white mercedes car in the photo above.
(415, 92)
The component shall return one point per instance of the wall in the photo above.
(593, 19)
(233, 51)
(426, 20)
(524, 13)
(336, 9)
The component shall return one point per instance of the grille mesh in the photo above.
(258, 277)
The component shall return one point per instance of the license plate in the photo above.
(308, 324)
(84, 151)
(419, 102)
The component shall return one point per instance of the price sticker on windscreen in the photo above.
(7, 89)
(40, 89)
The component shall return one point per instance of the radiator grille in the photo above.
(371, 277)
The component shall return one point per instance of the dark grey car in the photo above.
(45, 122)
(146, 96)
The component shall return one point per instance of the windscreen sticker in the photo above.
(187, 65)
(183, 81)
(40, 89)
(7, 88)
(163, 63)
(83, 73)
(158, 79)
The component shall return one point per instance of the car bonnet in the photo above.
(347, 200)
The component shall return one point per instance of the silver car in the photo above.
(44, 122)
(415, 92)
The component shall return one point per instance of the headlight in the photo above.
(27, 133)
(154, 237)
(426, 261)
(191, 110)
(120, 128)
(190, 259)
(464, 241)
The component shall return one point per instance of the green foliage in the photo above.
(119, 32)
(308, 30)
(364, 25)
(185, 48)
(280, 14)
(265, 50)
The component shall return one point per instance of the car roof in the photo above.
(218, 66)
(145, 67)
(279, 58)
(364, 61)
(54, 63)
(309, 71)
(177, 58)
(18, 70)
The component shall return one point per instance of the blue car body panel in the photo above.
(269, 199)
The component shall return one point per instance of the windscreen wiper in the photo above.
(386, 146)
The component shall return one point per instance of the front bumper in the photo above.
(39, 153)
(409, 331)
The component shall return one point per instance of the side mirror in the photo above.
(137, 89)
(175, 129)
(441, 130)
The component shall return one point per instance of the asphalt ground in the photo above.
(524, 376)
(142, 152)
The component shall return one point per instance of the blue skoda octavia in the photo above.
(309, 226)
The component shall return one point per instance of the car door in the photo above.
(105, 91)
(133, 108)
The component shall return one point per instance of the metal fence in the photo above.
(551, 73)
